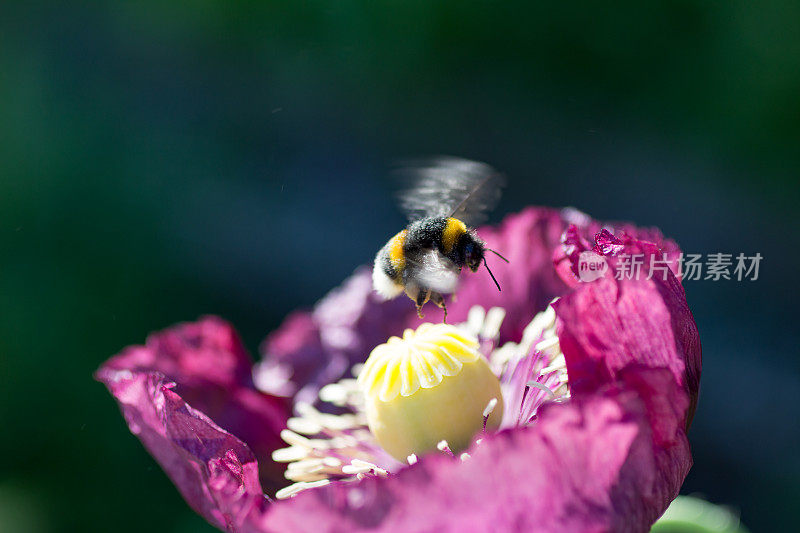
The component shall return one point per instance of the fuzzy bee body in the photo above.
(425, 259)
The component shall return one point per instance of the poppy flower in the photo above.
(599, 381)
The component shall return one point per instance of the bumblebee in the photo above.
(448, 196)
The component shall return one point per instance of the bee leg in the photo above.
(438, 299)
(422, 298)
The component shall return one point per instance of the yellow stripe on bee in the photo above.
(452, 231)
(396, 255)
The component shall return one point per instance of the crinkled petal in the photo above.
(211, 369)
(608, 323)
(215, 472)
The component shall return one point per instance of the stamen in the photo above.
(488, 411)
(533, 371)
(549, 346)
(287, 455)
(290, 437)
(542, 325)
(357, 466)
(558, 364)
(353, 469)
(490, 407)
(302, 476)
(302, 425)
(491, 325)
(292, 490)
(343, 448)
(340, 393)
(545, 388)
(475, 320)
(444, 447)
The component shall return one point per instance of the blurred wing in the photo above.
(435, 271)
(449, 187)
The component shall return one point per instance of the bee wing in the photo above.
(436, 272)
(450, 187)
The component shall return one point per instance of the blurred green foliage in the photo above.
(687, 514)
(161, 160)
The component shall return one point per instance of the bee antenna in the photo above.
(498, 255)
(490, 273)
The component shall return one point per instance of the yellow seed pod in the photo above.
(429, 386)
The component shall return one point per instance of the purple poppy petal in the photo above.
(311, 349)
(207, 361)
(608, 323)
(565, 257)
(298, 341)
(215, 472)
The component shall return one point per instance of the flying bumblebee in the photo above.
(448, 196)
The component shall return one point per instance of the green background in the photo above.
(162, 160)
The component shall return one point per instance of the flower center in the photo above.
(429, 362)
(431, 385)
